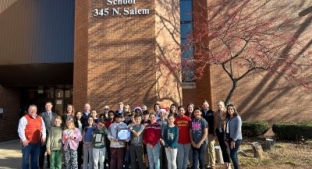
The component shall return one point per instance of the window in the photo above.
(186, 28)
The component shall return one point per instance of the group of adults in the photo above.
(198, 131)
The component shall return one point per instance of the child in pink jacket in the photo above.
(70, 139)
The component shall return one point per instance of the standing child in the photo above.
(136, 142)
(151, 138)
(128, 119)
(87, 144)
(184, 141)
(198, 134)
(111, 115)
(117, 147)
(145, 122)
(70, 139)
(54, 144)
(99, 149)
(79, 124)
(163, 124)
(94, 115)
(170, 136)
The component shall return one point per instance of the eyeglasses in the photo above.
(106, 109)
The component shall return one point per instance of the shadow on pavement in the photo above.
(10, 155)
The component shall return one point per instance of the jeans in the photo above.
(32, 150)
(191, 156)
(198, 155)
(153, 156)
(56, 159)
(98, 157)
(172, 158)
(233, 154)
(183, 150)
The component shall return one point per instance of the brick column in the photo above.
(203, 84)
(126, 52)
(10, 104)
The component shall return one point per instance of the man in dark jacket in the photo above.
(208, 115)
(48, 117)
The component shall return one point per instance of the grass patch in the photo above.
(290, 163)
(283, 155)
(309, 142)
(278, 145)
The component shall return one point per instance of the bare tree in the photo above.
(245, 37)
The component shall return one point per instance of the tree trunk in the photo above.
(229, 96)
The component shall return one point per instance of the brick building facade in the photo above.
(120, 57)
(10, 105)
(120, 53)
(123, 57)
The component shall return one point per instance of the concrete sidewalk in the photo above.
(10, 155)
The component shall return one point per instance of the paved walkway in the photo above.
(10, 155)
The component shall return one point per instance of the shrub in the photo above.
(254, 128)
(293, 131)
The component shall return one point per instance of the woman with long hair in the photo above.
(190, 110)
(69, 114)
(233, 133)
(79, 124)
(173, 110)
(219, 128)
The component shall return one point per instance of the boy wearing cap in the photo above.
(117, 147)
(128, 120)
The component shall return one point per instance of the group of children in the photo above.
(154, 140)
(98, 134)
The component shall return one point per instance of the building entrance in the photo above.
(60, 96)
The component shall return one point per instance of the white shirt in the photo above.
(22, 125)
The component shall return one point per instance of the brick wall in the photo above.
(116, 57)
(80, 85)
(262, 96)
(202, 90)
(167, 52)
(10, 102)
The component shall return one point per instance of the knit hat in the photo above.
(138, 108)
(162, 111)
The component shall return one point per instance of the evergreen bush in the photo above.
(293, 131)
(254, 128)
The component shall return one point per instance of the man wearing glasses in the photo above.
(105, 113)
